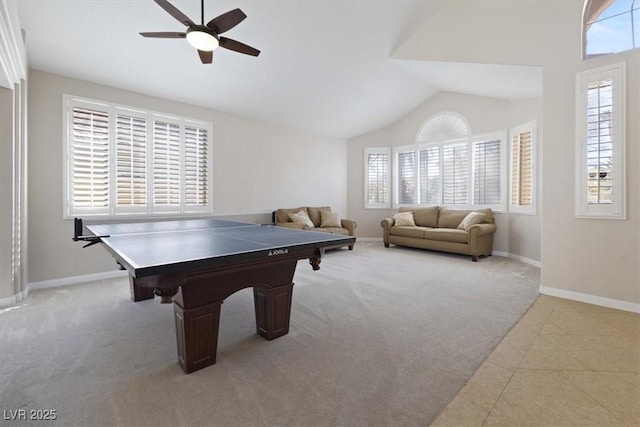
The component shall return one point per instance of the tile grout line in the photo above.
(520, 361)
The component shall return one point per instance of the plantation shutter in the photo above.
(522, 169)
(90, 159)
(196, 178)
(486, 172)
(166, 164)
(377, 178)
(131, 161)
(600, 142)
(455, 165)
(600, 135)
(430, 182)
(406, 177)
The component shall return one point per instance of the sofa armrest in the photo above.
(481, 240)
(386, 224)
(482, 229)
(350, 225)
(295, 225)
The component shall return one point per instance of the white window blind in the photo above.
(131, 161)
(166, 164)
(430, 177)
(487, 174)
(196, 174)
(125, 161)
(601, 143)
(455, 174)
(406, 176)
(600, 136)
(465, 173)
(522, 199)
(376, 179)
(90, 159)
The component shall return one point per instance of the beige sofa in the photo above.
(437, 229)
(281, 218)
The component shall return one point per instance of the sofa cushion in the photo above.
(426, 217)
(488, 213)
(302, 218)
(451, 218)
(446, 235)
(282, 215)
(314, 214)
(329, 219)
(403, 219)
(333, 230)
(415, 231)
(472, 218)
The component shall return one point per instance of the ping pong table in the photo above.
(196, 264)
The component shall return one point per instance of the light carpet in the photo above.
(378, 336)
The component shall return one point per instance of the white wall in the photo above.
(588, 259)
(257, 167)
(484, 115)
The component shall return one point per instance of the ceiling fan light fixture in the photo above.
(202, 39)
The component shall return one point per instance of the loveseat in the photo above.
(321, 219)
(440, 229)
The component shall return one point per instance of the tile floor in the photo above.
(564, 363)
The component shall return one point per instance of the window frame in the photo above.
(387, 203)
(616, 209)
(586, 25)
(112, 211)
(470, 143)
(531, 126)
(501, 136)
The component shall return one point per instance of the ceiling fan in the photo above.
(206, 38)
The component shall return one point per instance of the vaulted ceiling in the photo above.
(325, 66)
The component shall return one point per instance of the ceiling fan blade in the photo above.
(226, 21)
(206, 56)
(165, 35)
(173, 11)
(238, 47)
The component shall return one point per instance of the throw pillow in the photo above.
(403, 218)
(472, 218)
(330, 219)
(302, 218)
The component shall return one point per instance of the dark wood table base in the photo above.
(198, 296)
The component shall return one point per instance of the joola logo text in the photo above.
(278, 252)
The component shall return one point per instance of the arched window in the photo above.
(610, 26)
(443, 126)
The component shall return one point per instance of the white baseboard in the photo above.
(518, 258)
(591, 299)
(14, 299)
(64, 281)
(369, 239)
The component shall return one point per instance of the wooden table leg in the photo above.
(273, 310)
(139, 293)
(197, 334)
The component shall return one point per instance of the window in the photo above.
(430, 179)
(462, 173)
(376, 179)
(487, 172)
(523, 167)
(610, 26)
(455, 174)
(600, 146)
(124, 161)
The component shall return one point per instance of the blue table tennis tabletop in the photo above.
(149, 248)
